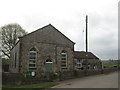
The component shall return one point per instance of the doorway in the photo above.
(48, 69)
(49, 66)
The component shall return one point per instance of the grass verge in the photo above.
(111, 64)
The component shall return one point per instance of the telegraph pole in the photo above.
(86, 34)
(86, 45)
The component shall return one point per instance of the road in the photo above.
(97, 81)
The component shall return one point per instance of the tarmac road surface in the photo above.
(97, 81)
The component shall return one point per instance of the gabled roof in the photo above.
(47, 26)
(82, 55)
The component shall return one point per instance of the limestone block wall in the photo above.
(45, 51)
(14, 59)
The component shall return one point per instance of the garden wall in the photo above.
(66, 75)
(18, 79)
(81, 73)
(12, 78)
(110, 69)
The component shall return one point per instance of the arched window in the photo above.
(63, 60)
(32, 58)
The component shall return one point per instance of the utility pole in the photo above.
(86, 45)
(86, 34)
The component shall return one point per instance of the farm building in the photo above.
(92, 60)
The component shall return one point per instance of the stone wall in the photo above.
(12, 78)
(45, 51)
(66, 75)
(18, 78)
(82, 73)
(14, 59)
(110, 69)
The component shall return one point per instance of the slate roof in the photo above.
(47, 26)
(82, 55)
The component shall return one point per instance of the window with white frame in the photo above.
(32, 59)
(63, 60)
(78, 64)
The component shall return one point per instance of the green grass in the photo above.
(42, 85)
(111, 64)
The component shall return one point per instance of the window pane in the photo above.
(32, 59)
(32, 62)
(31, 65)
(63, 60)
(63, 55)
(32, 53)
(63, 65)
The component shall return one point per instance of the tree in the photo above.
(9, 35)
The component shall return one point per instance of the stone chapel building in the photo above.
(44, 50)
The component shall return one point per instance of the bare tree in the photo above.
(9, 35)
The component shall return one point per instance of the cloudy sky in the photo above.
(68, 16)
